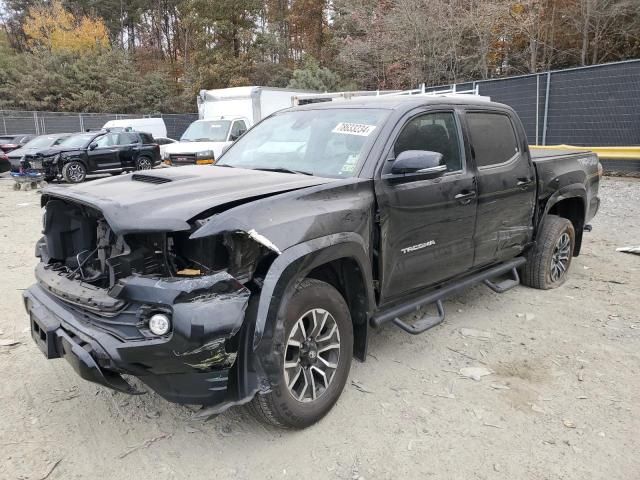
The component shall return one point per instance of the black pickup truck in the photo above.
(257, 280)
(95, 152)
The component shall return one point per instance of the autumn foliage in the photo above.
(56, 29)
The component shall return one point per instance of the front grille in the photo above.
(35, 164)
(183, 159)
(139, 177)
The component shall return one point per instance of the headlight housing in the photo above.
(205, 154)
(205, 157)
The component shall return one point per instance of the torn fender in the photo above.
(294, 264)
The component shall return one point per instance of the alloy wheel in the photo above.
(144, 164)
(311, 355)
(560, 257)
(75, 172)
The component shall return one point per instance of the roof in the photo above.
(393, 102)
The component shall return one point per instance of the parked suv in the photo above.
(96, 152)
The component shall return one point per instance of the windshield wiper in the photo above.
(283, 170)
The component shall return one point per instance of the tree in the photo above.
(57, 29)
(314, 77)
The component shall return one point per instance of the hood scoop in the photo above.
(139, 177)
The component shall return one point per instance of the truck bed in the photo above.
(561, 171)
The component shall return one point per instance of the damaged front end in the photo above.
(97, 290)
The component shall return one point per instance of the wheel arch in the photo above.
(340, 260)
(571, 205)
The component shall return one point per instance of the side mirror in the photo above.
(419, 161)
(92, 146)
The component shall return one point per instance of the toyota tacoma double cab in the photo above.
(256, 280)
(96, 152)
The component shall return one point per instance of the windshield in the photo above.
(77, 141)
(41, 142)
(207, 131)
(326, 143)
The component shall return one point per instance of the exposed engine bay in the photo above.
(79, 244)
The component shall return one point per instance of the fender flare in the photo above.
(576, 190)
(297, 262)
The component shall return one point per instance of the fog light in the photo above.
(159, 324)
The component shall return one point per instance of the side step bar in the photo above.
(440, 294)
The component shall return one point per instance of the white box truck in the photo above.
(225, 114)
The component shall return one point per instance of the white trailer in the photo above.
(225, 114)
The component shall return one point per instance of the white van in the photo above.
(225, 114)
(154, 126)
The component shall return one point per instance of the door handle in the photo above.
(524, 181)
(465, 197)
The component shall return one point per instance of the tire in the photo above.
(144, 163)
(74, 172)
(279, 407)
(549, 261)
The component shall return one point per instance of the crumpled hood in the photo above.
(166, 199)
(50, 152)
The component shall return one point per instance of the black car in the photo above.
(13, 141)
(96, 152)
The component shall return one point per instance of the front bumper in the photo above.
(192, 365)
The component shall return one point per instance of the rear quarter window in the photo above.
(147, 138)
(493, 138)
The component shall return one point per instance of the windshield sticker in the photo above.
(359, 129)
(350, 164)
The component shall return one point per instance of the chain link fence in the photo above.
(39, 123)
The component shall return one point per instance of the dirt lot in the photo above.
(563, 401)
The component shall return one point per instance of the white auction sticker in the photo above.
(360, 129)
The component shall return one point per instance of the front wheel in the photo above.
(74, 172)
(315, 362)
(549, 261)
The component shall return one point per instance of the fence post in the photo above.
(35, 123)
(546, 110)
(81, 122)
(537, 106)
(4, 123)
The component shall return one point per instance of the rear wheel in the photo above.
(318, 347)
(549, 262)
(74, 172)
(144, 163)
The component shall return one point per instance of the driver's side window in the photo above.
(436, 132)
(107, 140)
(238, 128)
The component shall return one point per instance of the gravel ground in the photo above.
(562, 401)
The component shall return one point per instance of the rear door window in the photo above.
(493, 138)
(128, 138)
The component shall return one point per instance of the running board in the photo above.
(393, 314)
(506, 284)
(424, 324)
